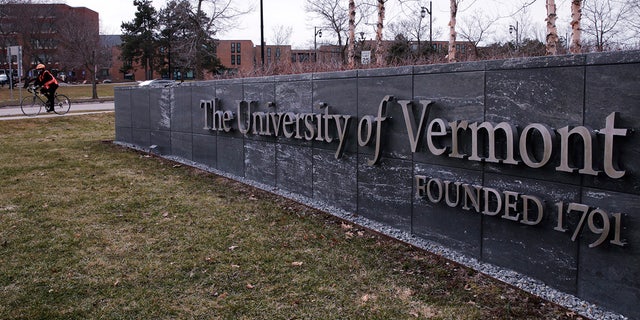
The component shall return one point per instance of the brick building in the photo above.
(38, 29)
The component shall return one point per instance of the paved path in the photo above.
(13, 113)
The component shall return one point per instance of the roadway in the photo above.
(14, 112)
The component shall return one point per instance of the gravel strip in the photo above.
(523, 282)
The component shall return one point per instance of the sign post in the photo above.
(14, 51)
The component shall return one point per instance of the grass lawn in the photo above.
(90, 230)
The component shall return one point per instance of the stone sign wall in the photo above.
(528, 164)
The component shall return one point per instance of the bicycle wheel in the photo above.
(30, 106)
(61, 104)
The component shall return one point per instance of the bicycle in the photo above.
(32, 105)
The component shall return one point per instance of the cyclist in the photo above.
(47, 83)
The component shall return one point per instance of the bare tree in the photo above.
(380, 51)
(474, 28)
(19, 28)
(334, 16)
(352, 35)
(576, 30)
(452, 30)
(552, 31)
(82, 47)
(281, 35)
(604, 21)
(635, 23)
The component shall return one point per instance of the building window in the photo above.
(237, 47)
(238, 59)
(233, 59)
(233, 48)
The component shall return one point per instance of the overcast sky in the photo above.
(291, 13)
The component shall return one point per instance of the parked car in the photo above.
(157, 83)
(4, 79)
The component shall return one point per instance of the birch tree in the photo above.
(452, 30)
(352, 35)
(552, 31)
(380, 51)
(576, 31)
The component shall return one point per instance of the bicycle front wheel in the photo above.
(30, 106)
(62, 104)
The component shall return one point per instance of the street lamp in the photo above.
(317, 33)
(423, 13)
(513, 28)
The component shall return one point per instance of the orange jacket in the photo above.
(46, 79)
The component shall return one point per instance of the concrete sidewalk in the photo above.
(14, 112)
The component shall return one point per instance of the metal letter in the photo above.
(288, 120)
(342, 132)
(421, 189)
(446, 193)
(432, 133)
(468, 195)
(455, 125)
(609, 132)
(487, 200)
(547, 140)
(525, 210)
(509, 131)
(382, 116)
(510, 203)
(244, 118)
(587, 137)
(438, 184)
(410, 121)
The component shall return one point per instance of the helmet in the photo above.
(40, 66)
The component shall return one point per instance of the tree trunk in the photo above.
(379, 26)
(352, 35)
(576, 15)
(452, 31)
(552, 31)
(94, 88)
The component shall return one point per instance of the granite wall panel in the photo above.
(380, 198)
(294, 169)
(180, 106)
(454, 96)
(140, 109)
(182, 145)
(447, 223)
(202, 91)
(551, 96)
(140, 137)
(339, 96)
(205, 149)
(615, 88)
(610, 274)
(123, 105)
(538, 250)
(230, 152)
(393, 142)
(334, 181)
(260, 161)
(160, 108)
(162, 142)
